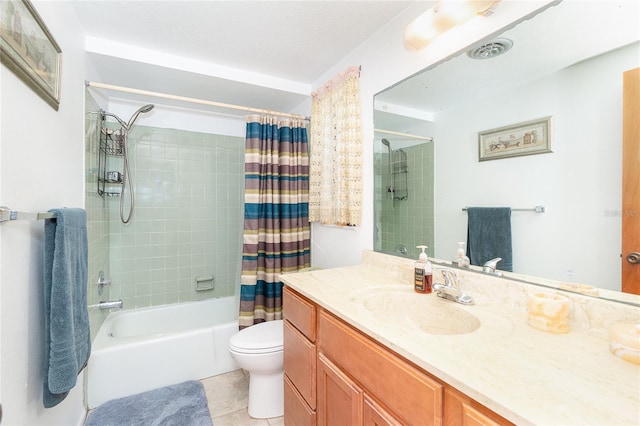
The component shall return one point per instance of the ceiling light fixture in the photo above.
(442, 17)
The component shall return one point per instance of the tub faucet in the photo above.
(450, 289)
(111, 304)
(490, 266)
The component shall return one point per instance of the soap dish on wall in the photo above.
(204, 283)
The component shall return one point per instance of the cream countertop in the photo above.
(525, 375)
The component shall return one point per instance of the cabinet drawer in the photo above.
(300, 363)
(296, 411)
(413, 397)
(300, 312)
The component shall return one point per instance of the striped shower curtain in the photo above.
(276, 214)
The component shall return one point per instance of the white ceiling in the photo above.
(267, 54)
(290, 42)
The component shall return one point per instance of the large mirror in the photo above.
(565, 63)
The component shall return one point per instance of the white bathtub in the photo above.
(143, 349)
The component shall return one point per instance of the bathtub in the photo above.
(143, 349)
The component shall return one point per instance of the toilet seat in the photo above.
(265, 337)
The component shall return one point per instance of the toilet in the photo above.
(258, 349)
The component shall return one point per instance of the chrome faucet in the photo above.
(450, 290)
(110, 304)
(490, 266)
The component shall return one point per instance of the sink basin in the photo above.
(427, 313)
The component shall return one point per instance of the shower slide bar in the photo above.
(406, 135)
(192, 100)
(6, 214)
(537, 209)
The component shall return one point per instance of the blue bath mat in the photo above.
(180, 405)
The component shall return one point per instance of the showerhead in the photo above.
(135, 115)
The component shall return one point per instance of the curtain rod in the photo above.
(408, 135)
(192, 100)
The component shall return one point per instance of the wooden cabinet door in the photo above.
(460, 410)
(339, 398)
(375, 415)
(631, 182)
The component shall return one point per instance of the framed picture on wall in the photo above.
(527, 138)
(28, 49)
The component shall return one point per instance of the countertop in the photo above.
(526, 375)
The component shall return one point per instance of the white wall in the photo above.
(41, 157)
(171, 117)
(384, 62)
(579, 183)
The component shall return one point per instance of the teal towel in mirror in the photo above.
(65, 302)
(489, 236)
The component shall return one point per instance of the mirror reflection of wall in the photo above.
(578, 239)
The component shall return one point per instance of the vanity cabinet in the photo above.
(395, 391)
(336, 375)
(342, 402)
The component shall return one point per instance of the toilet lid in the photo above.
(260, 338)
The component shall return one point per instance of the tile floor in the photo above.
(227, 399)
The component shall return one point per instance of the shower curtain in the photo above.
(276, 214)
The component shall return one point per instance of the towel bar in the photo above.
(6, 214)
(537, 209)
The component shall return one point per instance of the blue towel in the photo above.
(65, 302)
(489, 236)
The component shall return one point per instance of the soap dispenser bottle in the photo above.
(461, 258)
(423, 279)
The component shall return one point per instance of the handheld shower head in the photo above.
(126, 172)
(386, 143)
(134, 117)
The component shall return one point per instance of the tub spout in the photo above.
(111, 304)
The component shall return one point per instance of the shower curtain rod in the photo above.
(407, 135)
(192, 100)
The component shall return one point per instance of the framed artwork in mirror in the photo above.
(28, 49)
(526, 138)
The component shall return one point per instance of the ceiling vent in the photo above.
(490, 49)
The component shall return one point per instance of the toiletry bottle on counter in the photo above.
(423, 279)
(461, 259)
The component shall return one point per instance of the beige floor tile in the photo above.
(239, 418)
(226, 393)
(227, 397)
(277, 421)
